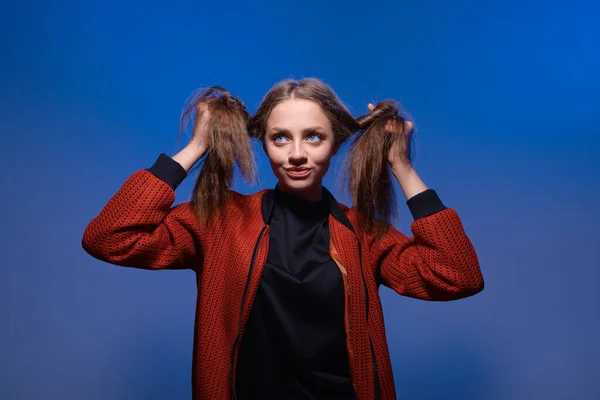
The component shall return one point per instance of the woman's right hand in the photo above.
(200, 136)
(200, 141)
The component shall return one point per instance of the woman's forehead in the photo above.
(298, 113)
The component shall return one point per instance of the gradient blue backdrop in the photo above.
(505, 95)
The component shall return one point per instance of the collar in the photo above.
(268, 200)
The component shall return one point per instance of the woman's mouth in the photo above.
(298, 172)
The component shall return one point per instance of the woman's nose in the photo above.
(297, 154)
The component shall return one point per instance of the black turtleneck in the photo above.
(294, 343)
(293, 346)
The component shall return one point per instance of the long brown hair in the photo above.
(370, 177)
(229, 146)
(369, 180)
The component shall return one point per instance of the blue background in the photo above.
(505, 96)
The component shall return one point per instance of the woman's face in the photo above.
(300, 143)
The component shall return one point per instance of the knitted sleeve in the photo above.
(439, 263)
(140, 228)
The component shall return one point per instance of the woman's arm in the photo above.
(439, 262)
(409, 180)
(190, 155)
(139, 228)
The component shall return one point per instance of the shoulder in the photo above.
(351, 214)
(241, 208)
(241, 201)
(381, 234)
(238, 209)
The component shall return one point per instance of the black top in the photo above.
(294, 345)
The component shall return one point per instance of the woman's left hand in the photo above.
(398, 154)
(407, 177)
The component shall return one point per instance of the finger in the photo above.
(371, 107)
(201, 107)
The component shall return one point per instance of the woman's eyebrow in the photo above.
(314, 128)
(278, 130)
(305, 130)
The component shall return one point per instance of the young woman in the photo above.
(288, 278)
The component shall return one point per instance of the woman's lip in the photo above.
(298, 173)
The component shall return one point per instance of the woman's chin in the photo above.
(299, 185)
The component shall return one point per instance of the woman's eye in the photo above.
(279, 138)
(313, 137)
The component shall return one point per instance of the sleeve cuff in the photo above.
(168, 170)
(425, 204)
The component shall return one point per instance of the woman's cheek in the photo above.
(323, 160)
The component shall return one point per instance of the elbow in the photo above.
(457, 292)
(465, 282)
(470, 284)
(88, 247)
(473, 288)
(111, 246)
(469, 279)
(89, 242)
(93, 241)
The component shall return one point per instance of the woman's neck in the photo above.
(313, 194)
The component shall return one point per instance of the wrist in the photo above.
(409, 180)
(189, 155)
(196, 148)
(403, 171)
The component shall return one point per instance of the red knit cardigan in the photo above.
(139, 227)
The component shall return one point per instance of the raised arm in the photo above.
(139, 228)
(439, 263)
